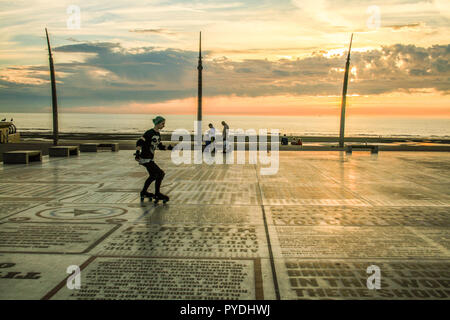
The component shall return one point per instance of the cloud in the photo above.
(113, 75)
(99, 47)
(162, 34)
(71, 39)
(159, 31)
(405, 26)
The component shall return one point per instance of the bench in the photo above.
(22, 156)
(93, 147)
(373, 149)
(114, 146)
(63, 151)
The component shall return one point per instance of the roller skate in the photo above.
(146, 195)
(162, 197)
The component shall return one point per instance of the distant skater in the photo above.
(226, 128)
(210, 135)
(145, 153)
(284, 140)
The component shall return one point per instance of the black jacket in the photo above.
(151, 141)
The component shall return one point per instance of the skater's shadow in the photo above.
(158, 215)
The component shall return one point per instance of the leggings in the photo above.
(155, 173)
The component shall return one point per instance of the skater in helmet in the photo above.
(145, 153)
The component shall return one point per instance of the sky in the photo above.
(260, 57)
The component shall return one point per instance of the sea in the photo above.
(289, 125)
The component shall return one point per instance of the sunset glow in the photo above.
(259, 57)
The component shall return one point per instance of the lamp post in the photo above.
(199, 68)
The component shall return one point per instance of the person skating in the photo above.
(145, 153)
(210, 135)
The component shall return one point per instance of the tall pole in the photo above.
(200, 68)
(54, 98)
(344, 97)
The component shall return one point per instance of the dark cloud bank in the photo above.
(112, 75)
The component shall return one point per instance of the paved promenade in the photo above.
(308, 232)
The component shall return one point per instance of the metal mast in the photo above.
(54, 98)
(344, 97)
(200, 68)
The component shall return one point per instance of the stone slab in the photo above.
(31, 276)
(205, 214)
(92, 197)
(356, 242)
(395, 192)
(59, 171)
(38, 237)
(176, 240)
(214, 193)
(436, 216)
(170, 279)
(67, 212)
(289, 194)
(210, 173)
(347, 279)
(47, 190)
